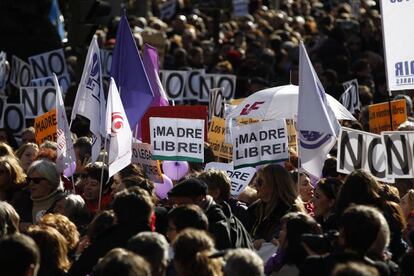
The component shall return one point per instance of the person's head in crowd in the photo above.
(291, 250)
(192, 249)
(153, 247)
(119, 261)
(408, 103)
(7, 137)
(305, 187)
(276, 187)
(130, 170)
(189, 191)
(48, 145)
(71, 206)
(12, 177)
(359, 227)
(256, 84)
(208, 157)
(19, 256)
(360, 187)
(329, 168)
(326, 193)
(365, 95)
(219, 184)
(53, 249)
(47, 150)
(28, 135)
(196, 57)
(9, 220)
(92, 188)
(136, 199)
(27, 154)
(64, 226)
(6, 150)
(137, 181)
(407, 202)
(83, 152)
(183, 217)
(45, 187)
(248, 196)
(242, 262)
(354, 269)
(377, 251)
(100, 223)
(180, 58)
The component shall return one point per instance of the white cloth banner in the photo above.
(260, 143)
(177, 139)
(397, 22)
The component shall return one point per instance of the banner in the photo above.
(196, 84)
(14, 118)
(45, 127)
(361, 150)
(398, 43)
(240, 178)
(216, 138)
(142, 154)
(350, 98)
(379, 116)
(260, 143)
(44, 65)
(216, 103)
(20, 74)
(398, 147)
(37, 100)
(177, 139)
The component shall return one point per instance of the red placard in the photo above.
(180, 111)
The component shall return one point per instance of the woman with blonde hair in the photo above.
(278, 196)
(407, 203)
(192, 251)
(27, 154)
(12, 177)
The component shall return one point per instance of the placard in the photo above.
(142, 154)
(216, 138)
(45, 127)
(20, 74)
(379, 116)
(350, 98)
(37, 100)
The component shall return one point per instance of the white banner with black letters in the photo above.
(350, 98)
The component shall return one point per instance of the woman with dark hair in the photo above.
(361, 188)
(326, 193)
(291, 253)
(9, 220)
(278, 196)
(12, 178)
(92, 187)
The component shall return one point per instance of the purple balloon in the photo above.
(175, 170)
(162, 189)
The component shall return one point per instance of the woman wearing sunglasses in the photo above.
(44, 190)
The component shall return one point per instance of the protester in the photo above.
(12, 178)
(306, 190)
(28, 135)
(9, 220)
(19, 256)
(27, 154)
(277, 195)
(407, 203)
(83, 149)
(242, 262)
(73, 207)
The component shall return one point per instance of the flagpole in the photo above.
(389, 107)
(102, 173)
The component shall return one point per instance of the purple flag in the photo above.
(152, 68)
(129, 75)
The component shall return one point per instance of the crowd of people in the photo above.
(282, 223)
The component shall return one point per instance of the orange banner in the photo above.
(379, 116)
(45, 127)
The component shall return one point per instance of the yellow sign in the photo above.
(379, 116)
(216, 138)
(45, 127)
(291, 128)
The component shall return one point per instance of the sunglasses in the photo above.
(35, 180)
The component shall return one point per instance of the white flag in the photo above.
(317, 125)
(117, 126)
(90, 98)
(66, 159)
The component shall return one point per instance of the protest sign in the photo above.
(240, 178)
(379, 116)
(182, 111)
(174, 83)
(210, 81)
(216, 138)
(20, 74)
(14, 118)
(260, 143)
(216, 103)
(106, 62)
(45, 64)
(177, 139)
(398, 43)
(240, 8)
(45, 127)
(37, 100)
(398, 149)
(291, 129)
(167, 9)
(350, 98)
(142, 154)
(192, 87)
(4, 71)
(361, 150)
